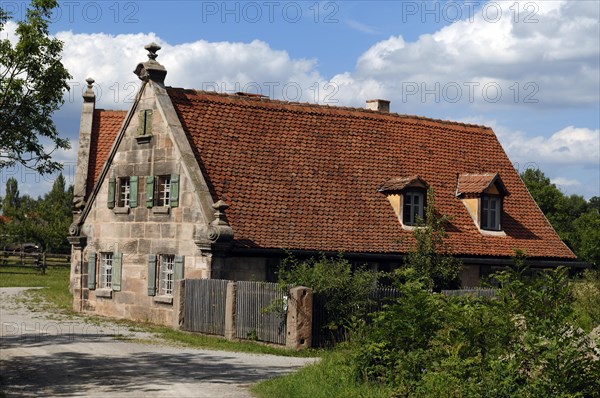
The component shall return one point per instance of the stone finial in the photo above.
(220, 208)
(152, 49)
(88, 94)
(151, 69)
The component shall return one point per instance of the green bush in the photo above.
(587, 300)
(344, 290)
(522, 343)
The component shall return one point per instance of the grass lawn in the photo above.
(330, 378)
(55, 283)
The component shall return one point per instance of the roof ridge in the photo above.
(327, 106)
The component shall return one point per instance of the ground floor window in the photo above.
(106, 270)
(165, 275)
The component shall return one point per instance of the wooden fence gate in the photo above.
(261, 312)
(204, 309)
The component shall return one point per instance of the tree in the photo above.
(11, 201)
(32, 80)
(574, 219)
(431, 257)
(54, 217)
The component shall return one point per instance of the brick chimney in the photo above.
(379, 105)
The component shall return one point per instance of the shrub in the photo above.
(344, 291)
(522, 343)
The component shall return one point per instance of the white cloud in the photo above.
(565, 182)
(570, 157)
(569, 146)
(544, 57)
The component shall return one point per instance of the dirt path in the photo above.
(47, 355)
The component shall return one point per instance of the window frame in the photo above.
(486, 212)
(105, 270)
(162, 191)
(123, 197)
(412, 217)
(166, 274)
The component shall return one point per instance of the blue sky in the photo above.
(529, 69)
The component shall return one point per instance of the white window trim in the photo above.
(166, 275)
(124, 192)
(412, 192)
(105, 270)
(163, 196)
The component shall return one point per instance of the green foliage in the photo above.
(587, 300)
(576, 221)
(344, 290)
(431, 256)
(32, 81)
(522, 343)
(331, 377)
(45, 220)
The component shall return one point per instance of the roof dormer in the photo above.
(408, 196)
(483, 196)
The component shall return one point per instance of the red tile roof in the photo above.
(399, 183)
(476, 183)
(302, 176)
(105, 127)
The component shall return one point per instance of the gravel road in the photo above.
(49, 355)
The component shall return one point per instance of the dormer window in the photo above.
(483, 196)
(407, 195)
(413, 206)
(491, 211)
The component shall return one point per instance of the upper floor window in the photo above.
(413, 207)
(408, 196)
(124, 192)
(483, 196)
(163, 191)
(491, 211)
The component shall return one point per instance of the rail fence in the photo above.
(36, 260)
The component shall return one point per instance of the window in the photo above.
(106, 270)
(145, 122)
(109, 272)
(414, 203)
(165, 274)
(124, 192)
(163, 191)
(491, 210)
(163, 271)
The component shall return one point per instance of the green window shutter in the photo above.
(179, 267)
(112, 182)
(142, 122)
(145, 122)
(149, 191)
(148, 124)
(133, 191)
(174, 190)
(116, 271)
(91, 279)
(151, 274)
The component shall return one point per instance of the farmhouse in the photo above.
(193, 184)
